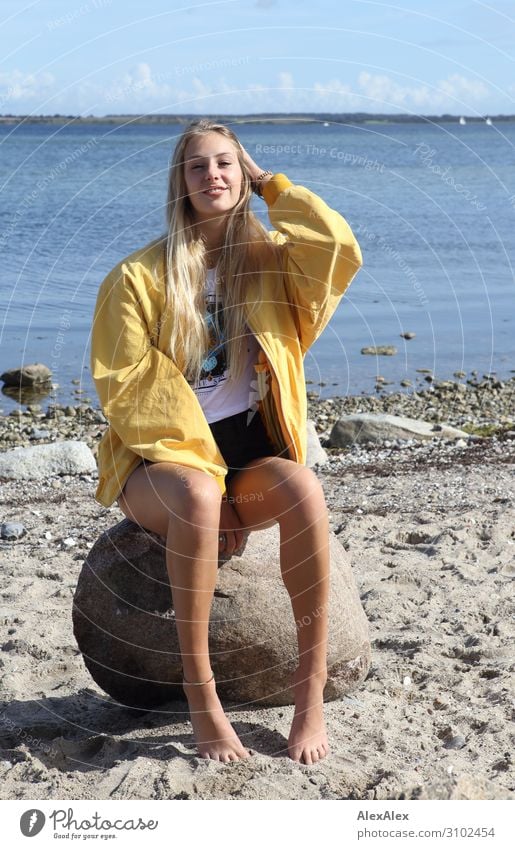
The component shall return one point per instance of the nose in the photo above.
(212, 170)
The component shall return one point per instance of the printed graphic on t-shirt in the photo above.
(214, 367)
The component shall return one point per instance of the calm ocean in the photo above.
(433, 207)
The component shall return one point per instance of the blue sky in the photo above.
(101, 57)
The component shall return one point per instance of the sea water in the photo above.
(432, 205)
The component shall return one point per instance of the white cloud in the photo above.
(371, 92)
(203, 86)
(460, 87)
(286, 81)
(449, 94)
(332, 96)
(16, 86)
(138, 85)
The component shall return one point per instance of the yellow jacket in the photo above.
(153, 412)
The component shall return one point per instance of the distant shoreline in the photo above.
(259, 118)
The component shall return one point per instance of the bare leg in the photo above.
(294, 498)
(183, 506)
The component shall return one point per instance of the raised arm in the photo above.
(321, 254)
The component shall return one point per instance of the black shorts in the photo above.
(240, 442)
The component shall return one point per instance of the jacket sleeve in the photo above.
(141, 390)
(320, 254)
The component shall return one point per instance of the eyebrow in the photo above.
(225, 153)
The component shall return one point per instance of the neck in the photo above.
(213, 233)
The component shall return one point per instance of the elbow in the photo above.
(350, 256)
(357, 255)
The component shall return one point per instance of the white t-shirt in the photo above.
(218, 396)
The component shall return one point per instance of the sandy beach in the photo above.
(430, 530)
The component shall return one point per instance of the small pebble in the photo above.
(457, 742)
(12, 530)
(39, 433)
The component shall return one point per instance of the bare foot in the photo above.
(215, 737)
(307, 742)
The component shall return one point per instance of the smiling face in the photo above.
(212, 174)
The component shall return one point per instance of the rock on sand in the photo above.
(124, 622)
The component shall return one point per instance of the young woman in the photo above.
(197, 355)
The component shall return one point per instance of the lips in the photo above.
(215, 191)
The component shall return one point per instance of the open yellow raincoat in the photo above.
(153, 412)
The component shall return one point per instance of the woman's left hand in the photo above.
(235, 537)
(254, 169)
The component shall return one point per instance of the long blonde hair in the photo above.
(246, 252)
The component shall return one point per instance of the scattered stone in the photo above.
(380, 350)
(12, 530)
(368, 427)
(27, 375)
(39, 433)
(316, 456)
(43, 461)
(457, 742)
(124, 622)
(406, 382)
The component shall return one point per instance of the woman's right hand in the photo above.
(230, 527)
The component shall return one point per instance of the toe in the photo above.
(307, 757)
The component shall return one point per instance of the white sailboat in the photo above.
(462, 120)
(489, 122)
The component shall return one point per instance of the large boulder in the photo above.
(124, 622)
(30, 375)
(375, 427)
(40, 462)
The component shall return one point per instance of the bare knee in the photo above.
(298, 488)
(199, 500)
(293, 477)
(305, 491)
(159, 493)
